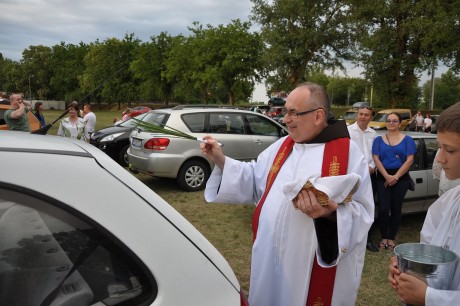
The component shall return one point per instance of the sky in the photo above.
(50, 22)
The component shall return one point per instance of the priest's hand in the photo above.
(213, 151)
(309, 204)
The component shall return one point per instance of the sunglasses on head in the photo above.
(365, 107)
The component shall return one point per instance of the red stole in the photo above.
(335, 162)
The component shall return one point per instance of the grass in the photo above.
(228, 227)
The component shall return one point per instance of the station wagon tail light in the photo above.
(243, 299)
(157, 144)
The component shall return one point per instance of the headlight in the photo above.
(110, 137)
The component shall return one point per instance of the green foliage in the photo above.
(37, 71)
(219, 58)
(301, 35)
(107, 65)
(298, 41)
(398, 40)
(67, 67)
(150, 68)
(446, 90)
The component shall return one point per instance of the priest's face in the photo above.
(303, 119)
(449, 154)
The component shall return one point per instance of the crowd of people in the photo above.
(422, 124)
(310, 228)
(78, 124)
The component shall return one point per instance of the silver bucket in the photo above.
(433, 264)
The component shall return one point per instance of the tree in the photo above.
(107, 73)
(11, 76)
(67, 65)
(301, 35)
(446, 91)
(398, 40)
(37, 72)
(150, 67)
(227, 57)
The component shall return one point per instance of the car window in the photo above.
(235, 124)
(53, 256)
(380, 117)
(405, 116)
(195, 122)
(156, 118)
(262, 126)
(416, 164)
(431, 149)
(130, 122)
(350, 115)
(218, 123)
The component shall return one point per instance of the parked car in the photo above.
(359, 104)
(33, 121)
(114, 140)
(244, 134)
(379, 120)
(275, 111)
(276, 101)
(426, 187)
(350, 115)
(434, 118)
(136, 111)
(90, 233)
(261, 109)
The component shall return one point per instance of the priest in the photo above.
(304, 252)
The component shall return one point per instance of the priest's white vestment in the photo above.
(442, 228)
(283, 253)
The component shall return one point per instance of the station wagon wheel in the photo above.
(193, 175)
(123, 156)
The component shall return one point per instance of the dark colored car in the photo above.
(276, 101)
(114, 140)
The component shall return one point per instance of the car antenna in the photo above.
(44, 130)
(105, 81)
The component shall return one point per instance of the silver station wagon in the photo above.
(244, 134)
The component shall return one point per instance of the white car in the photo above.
(78, 229)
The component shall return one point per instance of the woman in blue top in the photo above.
(393, 155)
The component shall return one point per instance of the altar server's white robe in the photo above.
(283, 253)
(442, 228)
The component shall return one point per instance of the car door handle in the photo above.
(258, 141)
(418, 180)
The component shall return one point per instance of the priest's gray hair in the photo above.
(318, 96)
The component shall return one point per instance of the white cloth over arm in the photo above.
(442, 228)
(286, 243)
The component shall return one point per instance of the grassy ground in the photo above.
(228, 227)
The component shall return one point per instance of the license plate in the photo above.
(136, 143)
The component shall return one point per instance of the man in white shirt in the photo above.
(419, 122)
(364, 136)
(89, 118)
